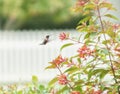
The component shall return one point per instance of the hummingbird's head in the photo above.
(47, 36)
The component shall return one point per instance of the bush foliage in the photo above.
(95, 67)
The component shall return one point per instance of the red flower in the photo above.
(96, 1)
(81, 3)
(75, 92)
(63, 36)
(84, 51)
(117, 49)
(97, 92)
(59, 60)
(62, 79)
(116, 26)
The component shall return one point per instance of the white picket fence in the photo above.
(21, 56)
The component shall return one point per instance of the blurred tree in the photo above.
(15, 13)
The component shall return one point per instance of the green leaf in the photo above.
(51, 66)
(107, 5)
(103, 73)
(118, 76)
(89, 42)
(85, 19)
(105, 42)
(89, 6)
(20, 92)
(111, 16)
(65, 45)
(100, 72)
(79, 82)
(63, 89)
(79, 60)
(75, 56)
(41, 87)
(90, 35)
(87, 36)
(90, 74)
(118, 87)
(90, 83)
(79, 88)
(34, 79)
(96, 71)
(110, 33)
(53, 81)
(105, 51)
(72, 69)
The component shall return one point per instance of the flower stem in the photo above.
(59, 70)
(75, 40)
(113, 71)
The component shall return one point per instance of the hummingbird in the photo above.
(46, 40)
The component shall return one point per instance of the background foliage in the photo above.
(37, 14)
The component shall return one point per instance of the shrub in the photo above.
(95, 67)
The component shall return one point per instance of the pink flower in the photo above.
(57, 61)
(63, 36)
(97, 92)
(62, 79)
(80, 3)
(117, 49)
(116, 26)
(75, 92)
(96, 1)
(84, 51)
